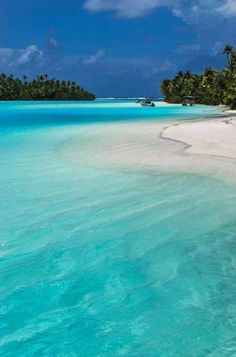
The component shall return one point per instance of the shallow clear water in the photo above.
(96, 261)
(39, 113)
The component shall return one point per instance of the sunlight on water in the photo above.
(99, 261)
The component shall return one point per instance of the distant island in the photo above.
(212, 87)
(41, 88)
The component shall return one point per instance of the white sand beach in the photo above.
(206, 146)
(209, 137)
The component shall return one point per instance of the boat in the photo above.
(147, 103)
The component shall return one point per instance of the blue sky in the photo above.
(114, 47)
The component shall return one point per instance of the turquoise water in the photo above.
(24, 113)
(99, 261)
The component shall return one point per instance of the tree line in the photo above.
(212, 87)
(41, 88)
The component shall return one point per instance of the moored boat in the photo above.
(147, 102)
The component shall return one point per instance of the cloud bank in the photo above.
(188, 10)
(98, 72)
(213, 21)
(126, 8)
(228, 8)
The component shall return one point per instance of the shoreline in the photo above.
(211, 136)
(206, 147)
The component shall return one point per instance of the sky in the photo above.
(114, 48)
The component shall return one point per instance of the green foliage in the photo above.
(211, 87)
(40, 88)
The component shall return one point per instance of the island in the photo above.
(211, 87)
(41, 88)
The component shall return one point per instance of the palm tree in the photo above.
(211, 87)
(228, 50)
(41, 88)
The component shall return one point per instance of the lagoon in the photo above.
(106, 257)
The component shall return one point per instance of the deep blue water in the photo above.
(100, 261)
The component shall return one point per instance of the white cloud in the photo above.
(12, 58)
(30, 53)
(212, 21)
(95, 57)
(6, 55)
(126, 8)
(188, 10)
(33, 59)
(228, 8)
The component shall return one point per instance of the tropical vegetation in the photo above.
(41, 88)
(212, 87)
